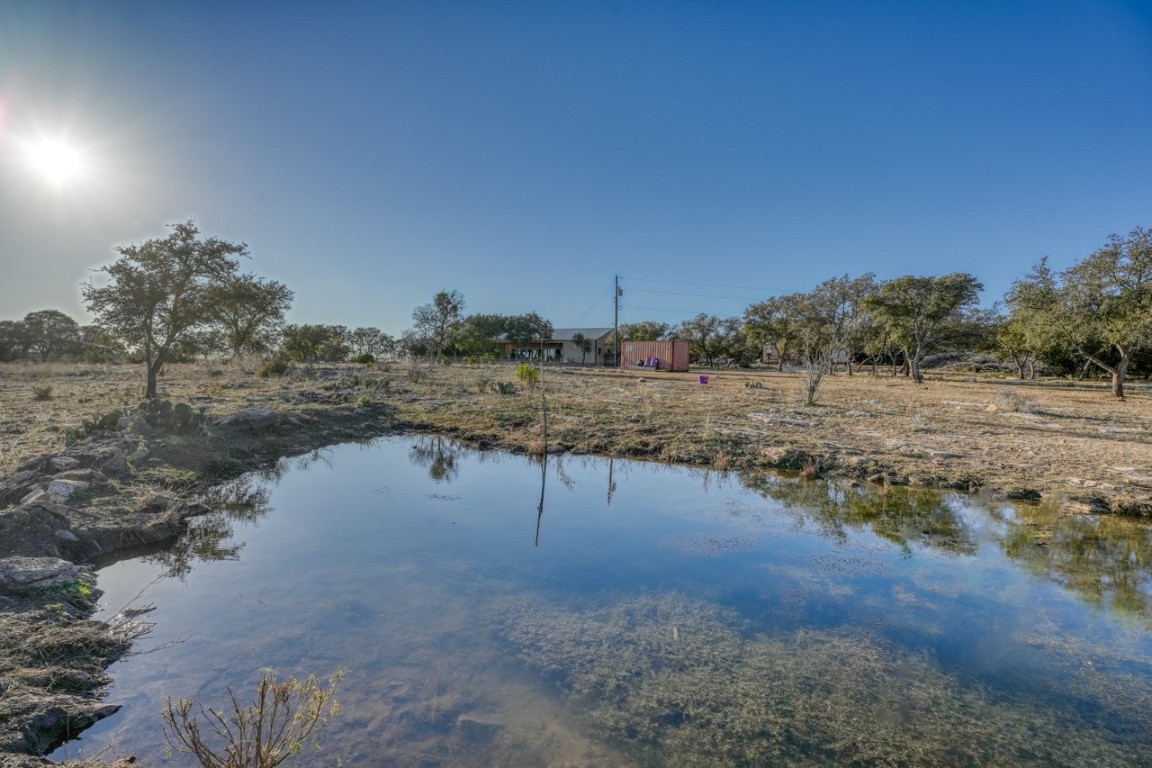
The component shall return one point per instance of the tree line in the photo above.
(183, 296)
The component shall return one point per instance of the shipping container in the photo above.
(667, 355)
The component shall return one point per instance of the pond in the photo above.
(491, 611)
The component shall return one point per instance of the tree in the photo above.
(478, 334)
(159, 291)
(249, 310)
(919, 312)
(439, 319)
(97, 345)
(711, 338)
(315, 343)
(646, 330)
(1107, 304)
(371, 341)
(583, 343)
(51, 333)
(13, 340)
(775, 323)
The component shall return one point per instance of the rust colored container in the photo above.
(667, 355)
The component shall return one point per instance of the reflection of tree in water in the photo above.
(244, 500)
(438, 454)
(901, 515)
(1105, 560)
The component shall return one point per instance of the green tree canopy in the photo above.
(159, 291)
(51, 333)
(919, 313)
(248, 310)
(439, 320)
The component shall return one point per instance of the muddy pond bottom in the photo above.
(491, 611)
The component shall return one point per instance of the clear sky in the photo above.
(523, 153)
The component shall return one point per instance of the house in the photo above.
(562, 347)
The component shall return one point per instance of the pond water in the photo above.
(491, 612)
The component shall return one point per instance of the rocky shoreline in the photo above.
(63, 510)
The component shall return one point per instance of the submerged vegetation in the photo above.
(678, 682)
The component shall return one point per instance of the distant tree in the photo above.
(527, 327)
(439, 320)
(584, 344)
(249, 311)
(919, 312)
(412, 345)
(51, 333)
(315, 343)
(775, 323)
(1013, 343)
(371, 341)
(97, 345)
(712, 338)
(159, 291)
(1105, 303)
(646, 330)
(13, 340)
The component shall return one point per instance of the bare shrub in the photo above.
(275, 726)
(1016, 402)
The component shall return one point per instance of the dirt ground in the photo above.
(1048, 440)
(83, 474)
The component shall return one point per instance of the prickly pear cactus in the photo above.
(178, 418)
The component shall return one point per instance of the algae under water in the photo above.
(645, 615)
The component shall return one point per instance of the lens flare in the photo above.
(55, 160)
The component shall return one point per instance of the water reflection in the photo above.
(1107, 561)
(210, 538)
(901, 515)
(438, 454)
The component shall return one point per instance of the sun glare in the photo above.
(56, 161)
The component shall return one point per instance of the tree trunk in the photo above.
(914, 367)
(153, 372)
(1117, 371)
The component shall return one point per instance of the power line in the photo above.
(697, 295)
(694, 283)
(587, 311)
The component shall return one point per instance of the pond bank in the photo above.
(71, 492)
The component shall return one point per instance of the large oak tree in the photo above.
(159, 292)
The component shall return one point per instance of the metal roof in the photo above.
(566, 334)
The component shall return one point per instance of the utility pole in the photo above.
(616, 322)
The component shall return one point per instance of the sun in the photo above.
(55, 160)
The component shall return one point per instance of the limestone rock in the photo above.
(61, 491)
(29, 574)
(64, 462)
(116, 465)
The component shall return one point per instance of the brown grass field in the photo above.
(1074, 444)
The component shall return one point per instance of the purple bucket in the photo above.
(703, 378)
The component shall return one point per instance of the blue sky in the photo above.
(711, 154)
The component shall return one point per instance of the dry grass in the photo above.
(960, 433)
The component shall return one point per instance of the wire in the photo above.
(698, 295)
(704, 285)
(594, 304)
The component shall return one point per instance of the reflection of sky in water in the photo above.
(392, 560)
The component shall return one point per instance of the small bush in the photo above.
(42, 393)
(277, 366)
(505, 387)
(1016, 402)
(363, 401)
(417, 373)
(527, 373)
(281, 720)
(364, 359)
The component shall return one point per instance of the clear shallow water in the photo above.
(650, 615)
